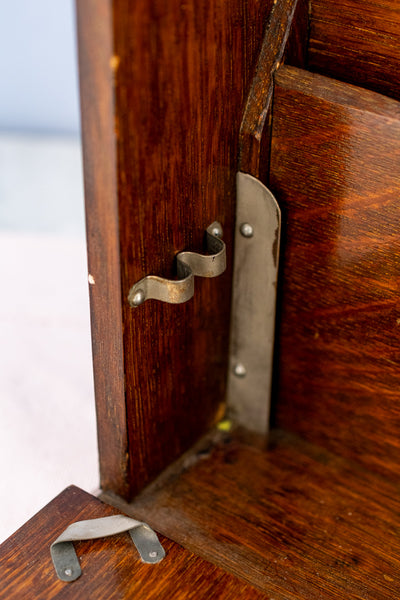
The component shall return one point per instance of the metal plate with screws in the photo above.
(257, 238)
(65, 560)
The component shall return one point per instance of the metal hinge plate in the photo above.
(257, 238)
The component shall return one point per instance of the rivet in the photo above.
(217, 230)
(68, 572)
(246, 230)
(239, 370)
(138, 298)
(153, 554)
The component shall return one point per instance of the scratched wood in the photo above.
(285, 39)
(335, 169)
(295, 521)
(163, 87)
(111, 567)
(357, 42)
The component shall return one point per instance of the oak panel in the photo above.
(335, 169)
(101, 199)
(357, 42)
(111, 567)
(163, 89)
(296, 521)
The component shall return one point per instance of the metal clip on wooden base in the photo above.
(65, 560)
(189, 264)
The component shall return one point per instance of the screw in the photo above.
(246, 230)
(68, 572)
(153, 554)
(239, 370)
(138, 298)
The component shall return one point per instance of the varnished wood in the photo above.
(335, 169)
(357, 42)
(111, 567)
(285, 37)
(296, 521)
(101, 196)
(163, 92)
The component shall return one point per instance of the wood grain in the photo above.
(101, 198)
(335, 169)
(296, 521)
(357, 42)
(285, 38)
(163, 91)
(111, 567)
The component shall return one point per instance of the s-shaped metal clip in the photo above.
(189, 264)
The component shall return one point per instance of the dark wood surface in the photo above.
(101, 197)
(357, 42)
(163, 90)
(285, 39)
(335, 169)
(111, 567)
(295, 521)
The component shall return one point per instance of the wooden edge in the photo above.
(96, 71)
(337, 92)
(257, 110)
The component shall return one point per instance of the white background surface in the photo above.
(47, 415)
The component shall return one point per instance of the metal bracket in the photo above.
(257, 237)
(65, 560)
(189, 264)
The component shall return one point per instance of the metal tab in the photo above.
(189, 264)
(257, 237)
(63, 554)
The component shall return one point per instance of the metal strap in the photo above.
(189, 265)
(257, 237)
(65, 560)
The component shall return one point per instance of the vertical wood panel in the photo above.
(335, 168)
(285, 39)
(102, 221)
(178, 76)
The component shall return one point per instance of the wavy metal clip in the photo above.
(189, 265)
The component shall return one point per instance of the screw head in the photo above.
(246, 230)
(239, 370)
(153, 554)
(138, 298)
(216, 230)
(68, 572)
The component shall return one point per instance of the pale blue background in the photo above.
(38, 71)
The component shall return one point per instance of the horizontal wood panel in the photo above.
(111, 567)
(295, 521)
(335, 169)
(357, 42)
